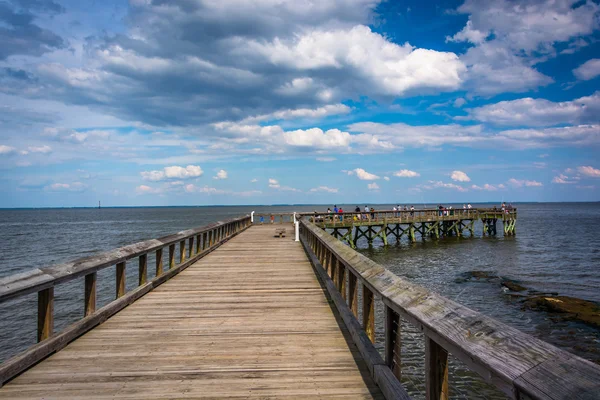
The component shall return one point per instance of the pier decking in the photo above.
(248, 320)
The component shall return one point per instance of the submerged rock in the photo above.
(568, 307)
(513, 286)
(476, 275)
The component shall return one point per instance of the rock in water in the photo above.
(569, 308)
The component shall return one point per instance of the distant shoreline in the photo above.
(281, 205)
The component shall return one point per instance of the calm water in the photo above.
(557, 249)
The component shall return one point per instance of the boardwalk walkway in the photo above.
(248, 320)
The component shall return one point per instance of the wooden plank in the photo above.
(353, 293)
(90, 294)
(159, 262)
(45, 314)
(393, 342)
(436, 371)
(368, 311)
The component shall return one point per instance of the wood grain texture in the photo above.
(89, 306)
(249, 320)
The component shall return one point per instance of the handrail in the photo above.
(193, 244)
(513, 361)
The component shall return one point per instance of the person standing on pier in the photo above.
(366, 212)
(357, 210)
(341, 211)
(335, 209)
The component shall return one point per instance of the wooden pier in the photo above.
(239, 312)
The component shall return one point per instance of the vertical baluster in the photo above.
(45, 314)
(191, 247)
(204, 241)
(159, 262)
(172, 256)
(368, 312)
(333, 266)
(143, 271)
(89, 306)
(342, 279)
(353, 293)
(181, 251)
(198, 238)
(392, 342)
(120, 281)
(436, 371)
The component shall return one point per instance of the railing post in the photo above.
(191, 247)
(143, 265)
(392, 342)
(252, 217)
(368, 313)
(198, 243)
(333, 266)
(436, 370)
(45, 314)
(342, 279)
(159, 262)
(182, 251)
(120, 281)
(172, 256)
(353, 293)
(204, 240)
(89, 306)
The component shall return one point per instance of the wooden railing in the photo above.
(193, 244)
(516, 363)
(273, 218)
(417, 215)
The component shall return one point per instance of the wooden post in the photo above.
(198, 243)
(171, 256)
(143, 269)
(368, 313)
(204, 240)
(334, 270)
(45, 314)
(181, 251)
(89, 305)
(159, 262)
(353, 293)
(191, 247)
(342, 279)
(436, 371)
(392, 342)
(120, 288)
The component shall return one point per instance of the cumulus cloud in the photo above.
(460, 176)
(145, 189)
(588, 70)
(6, 149)
(406, 173)
(324, 189)
(253, 180)
(386, 178)
(517, 183)
(441, 185)
(589, 171)
(173, 172)
(539, 112)
(373, 186)
(222, 174)
(273, 183)
(564, 179)
(66, 187)
(362, 174)
(487, 186)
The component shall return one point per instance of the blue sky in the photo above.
(185, 102)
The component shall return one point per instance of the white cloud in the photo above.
(45, 149)
(144, 189)
(362, 174)
(382, 67)
(301, 113)
(76, 137)
(564, 179)
(254, 180)
(588, 70)
(316, 138)
(66, 187)
(173, 172)
(589, 171)
(468, 34)
(326, 159)
(273, 183)
(441, 185)
(6, 149)
(487, 186)
(324, 189)
(406, 173)
(460, 176)
(523, 182)
(222, 174)
(373, 186)
(191, 188)
(386, 178)
(539, 112)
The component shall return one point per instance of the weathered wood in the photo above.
(368, 312)
(342, 280)
(120, 279)
(143, 269)
(393, 342)
(45, 314)
(353, 293)
(191, 247)
(19, 363)
(499, 353)
(171, 256)
(38, 279)
(182, 251)
(90, 294)
(436, 371)
(159, 262)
